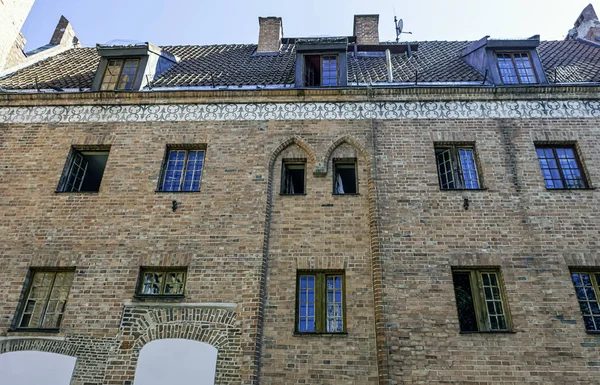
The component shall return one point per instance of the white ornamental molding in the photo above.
(301, 111)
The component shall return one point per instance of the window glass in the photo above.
(479, 301)
(344, 178)
(46, 300)
(161, 282)
(516, 68)
(321, 302)
(560, 168)
(586, 288)
(183, 170)
(292, 182)
(457, 168)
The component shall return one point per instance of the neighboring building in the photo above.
(302, 211)
(13, 14)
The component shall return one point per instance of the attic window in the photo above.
(321, 71)
(120, 74)
(516, 68)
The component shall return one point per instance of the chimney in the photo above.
(269, 34)
(64, 34)
(366, 29)
(587, 26)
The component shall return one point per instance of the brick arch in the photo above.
(324, 164)
(38, 344)
(288, 142)
(188, 331)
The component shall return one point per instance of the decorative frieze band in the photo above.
(302, 111)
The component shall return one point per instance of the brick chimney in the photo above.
(269, 34)
(366, 29)
(64, 34)
(587, 26)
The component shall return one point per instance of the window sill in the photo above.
(34, 330)
(571, 189)
(596, 332)
(176, 192)
(490, 332)
(159, 298)
(350, 194)
(291, 195)
(320, 334)
(464, 189)
(77, 192)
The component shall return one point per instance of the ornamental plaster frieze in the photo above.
(302, 111)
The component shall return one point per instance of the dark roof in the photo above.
(239, 65)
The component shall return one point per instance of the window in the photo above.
(161, 282)
(182, 170)
(588, 292)
(344, 177)
(321, 71)
(516, 68)
(457, 168)
(480, 301)
(120, 74)
(292, 178)
(320, 302)
(46, 298)
(560, 167)
(83, 170)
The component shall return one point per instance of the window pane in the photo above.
(127, 77)
(334, 304)
(494, 305)
(111, 75)
(46, 301)
(445, 169)
(174, 283)
(329, 71)
(464, 302)
(152, 283)
(469, 170)
(174, 170)
(306, 304)
(193, 171)
(507, 69)
(588, 299)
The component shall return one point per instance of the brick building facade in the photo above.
(265, 251)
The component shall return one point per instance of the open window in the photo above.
(83, 170)
(457, 167)
(293, 177)
(321, 71)
(344, 177)
(480, 300)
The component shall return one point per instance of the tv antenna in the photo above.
(399, 25)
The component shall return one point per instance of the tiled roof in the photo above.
(239, 65)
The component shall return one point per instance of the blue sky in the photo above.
(165, 22)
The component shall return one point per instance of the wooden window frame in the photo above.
(345, 161)
(478, 294)
(165, 163)
(124, 60)
(320, 301)
(321, 56)
(27, 287)
(165, 270)
(596, 286)
(284, 164)
(514, 63)
(457, 169)
(580, 165)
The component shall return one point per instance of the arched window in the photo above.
(179, 361)
(34, 368)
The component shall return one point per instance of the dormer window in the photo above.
(130, 67)
(120, 74)
(516, 68)
(321, 71)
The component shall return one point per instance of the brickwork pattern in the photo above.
(366, 29)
